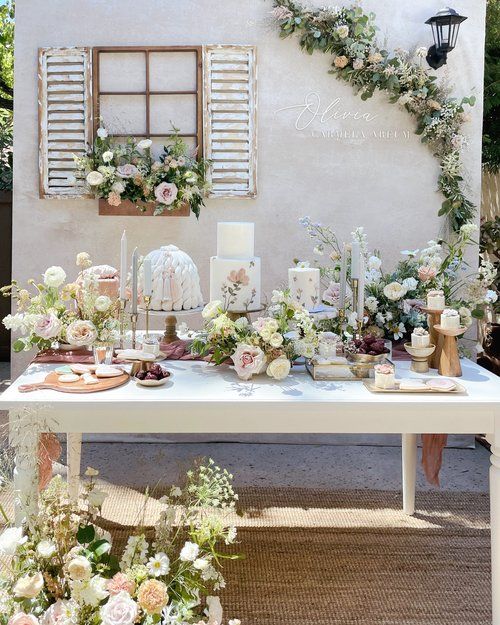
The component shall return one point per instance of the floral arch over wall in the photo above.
(349, 35)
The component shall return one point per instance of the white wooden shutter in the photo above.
(230, 137)
(65, 118)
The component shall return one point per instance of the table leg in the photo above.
(495, 532)
(74, 451)
(25, 442)
(409, 462)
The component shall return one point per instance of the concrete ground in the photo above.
(294, 464)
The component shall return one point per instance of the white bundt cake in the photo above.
(176, 283)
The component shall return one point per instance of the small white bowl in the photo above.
(152, 382)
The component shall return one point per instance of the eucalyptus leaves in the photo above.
(348, 34)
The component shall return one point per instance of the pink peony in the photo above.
(248, 360)
(426, 273)
(121, 609)
(120, 583)
(166, 193)
(23, 619)
(47, 326)
(127, 171)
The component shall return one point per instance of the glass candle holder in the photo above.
(103, 353)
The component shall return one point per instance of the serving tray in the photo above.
(458, 390)
(52, 382)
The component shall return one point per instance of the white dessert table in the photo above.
(202, 398)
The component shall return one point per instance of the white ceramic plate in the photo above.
(152, 382)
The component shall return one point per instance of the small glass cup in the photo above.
(151, 345)
(103, 353)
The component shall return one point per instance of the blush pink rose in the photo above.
(166, 193)
(121, 609)
(47, 326)
(127, 171)
(426, 273)
(55, 614)
(248, 360)
(23, 619)
(332, 294)
(120, 583)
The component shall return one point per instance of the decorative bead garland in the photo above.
(348, 34)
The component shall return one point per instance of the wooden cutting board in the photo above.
(52, 382)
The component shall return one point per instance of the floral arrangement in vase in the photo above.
(119, 172)
(63, 569)
(394, 300)
(269, 344)
(66, 313)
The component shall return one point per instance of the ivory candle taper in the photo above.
(355, 261)
(361, 289)
(343, 277)
(134, 282)
(148, 283)
(123, 266)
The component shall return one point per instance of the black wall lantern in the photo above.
(445, 25)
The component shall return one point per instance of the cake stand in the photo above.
(433, 319)
(420, 357)
(449, 361)
(234, 315)
(171, 317)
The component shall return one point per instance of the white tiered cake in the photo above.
(175, 280)
(235, 271)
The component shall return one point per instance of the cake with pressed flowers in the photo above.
(420, 338)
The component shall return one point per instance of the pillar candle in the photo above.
(134, 281)
(123, 266)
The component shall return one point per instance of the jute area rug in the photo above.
(347, 558)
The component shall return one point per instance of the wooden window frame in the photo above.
(128, 208)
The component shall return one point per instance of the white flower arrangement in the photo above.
(64, 570)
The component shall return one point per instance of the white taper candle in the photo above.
(148, 283)
(135, 257)
(123, 266)
(343, 276)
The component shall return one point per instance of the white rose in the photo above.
(127, 171)
(371, 303)
(54, 276)
(374, 263)
(394, 291)
(189, 553)
(47, 326)
(200, 564)
(118, 187)
(95, 178)
(28, 587)
(107, 156)
(102, 303)
(144, 144)
(81, 333)
(279, 368)
(343, 31)
(10, 539)
(79, 569)
(212, 309)
(276, 339)
(410, 284)
(121, 609)
(97, 497)
(102, 133)
(46, 549)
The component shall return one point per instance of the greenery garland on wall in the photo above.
(349, 35)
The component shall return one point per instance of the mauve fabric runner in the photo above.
(432, 444)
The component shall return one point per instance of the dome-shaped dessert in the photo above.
(176, 283)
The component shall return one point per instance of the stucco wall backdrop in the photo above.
(376, 174)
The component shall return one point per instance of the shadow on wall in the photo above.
(5, 267)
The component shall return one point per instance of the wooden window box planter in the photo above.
(129, 209)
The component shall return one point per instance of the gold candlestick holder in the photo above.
(133, 318)
(355, 290)
(123, 305)
(147, 305)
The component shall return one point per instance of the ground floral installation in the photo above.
(394, 299)
(57, 311)
(118, 172)
(62, 569)
(269, 344)
(349, 35)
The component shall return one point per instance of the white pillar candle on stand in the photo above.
(303, 283)
(123, 266)
(148, 282)
(134, 281)
(343, 277)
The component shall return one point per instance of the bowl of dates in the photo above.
(156, 375)
(369, 349)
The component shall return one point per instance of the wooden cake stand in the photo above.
(449, 362)
(171, 317)
(433, 319)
